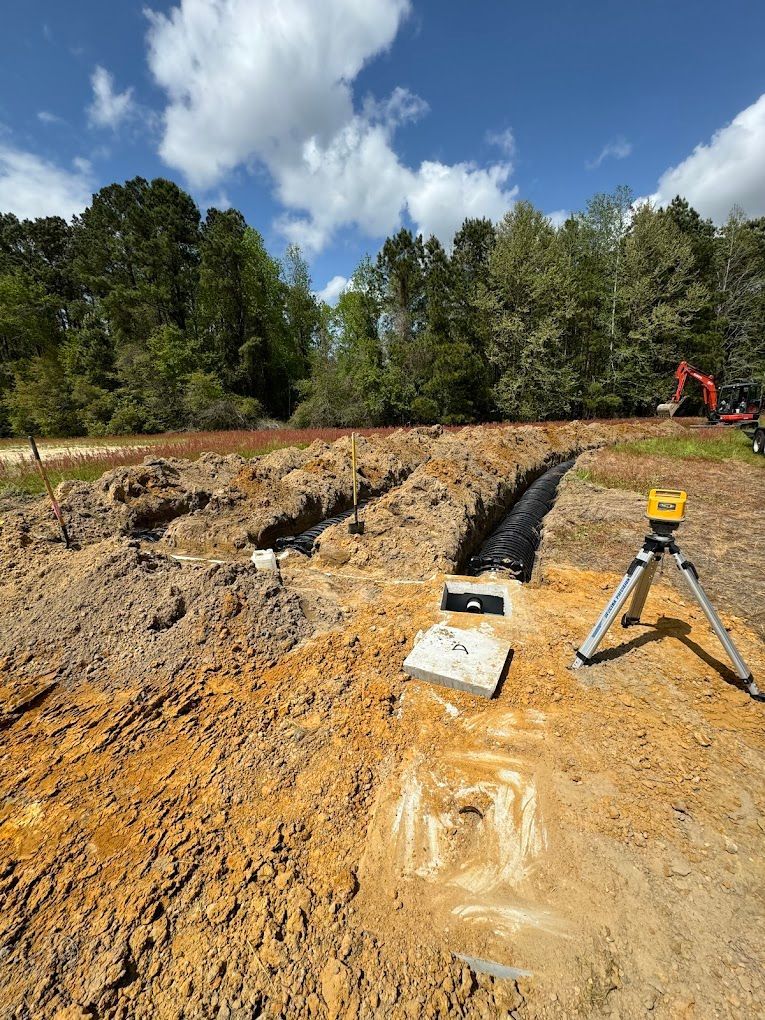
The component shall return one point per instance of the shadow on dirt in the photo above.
(669, 627)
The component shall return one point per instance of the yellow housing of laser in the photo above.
(666, 505)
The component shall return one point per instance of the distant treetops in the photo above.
(139, 316)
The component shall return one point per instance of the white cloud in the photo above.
(727, 171)
(221, 201)
(108, 108)
(504, 141)
(333, 289)
(558, 217)
(619, 148)
(31, 186)
(440, 196)
(45, 117)
(270, 83)
(356, 178)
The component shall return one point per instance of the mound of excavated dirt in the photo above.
(127, 500)
(283, 494)
(118, 616)
(217, 506)
(439, 515)
(321, 838)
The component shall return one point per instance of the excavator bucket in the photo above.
(686, 407)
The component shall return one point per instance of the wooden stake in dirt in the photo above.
(357, 527)
(53, 500)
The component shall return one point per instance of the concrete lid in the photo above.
(464, 660)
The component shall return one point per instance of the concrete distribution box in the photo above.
(477, 597)
(464, 660)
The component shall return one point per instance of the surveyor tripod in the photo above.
(637, 582)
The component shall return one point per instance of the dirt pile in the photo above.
(218, 506)
(128, 500)
(447, 505)
(221, 797)
(116, 616)
(321, 838)
(162, 857)
(283, 494)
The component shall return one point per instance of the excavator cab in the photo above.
(738, 401)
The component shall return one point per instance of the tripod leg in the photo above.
(688, 571)
(632, 616)
(627, 585)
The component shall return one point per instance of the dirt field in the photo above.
(222, 797)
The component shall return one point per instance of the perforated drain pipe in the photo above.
(513, 544)
(306, 541)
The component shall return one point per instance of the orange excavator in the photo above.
(736, 403)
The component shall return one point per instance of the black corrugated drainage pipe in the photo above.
(513, 544)
(306, 542)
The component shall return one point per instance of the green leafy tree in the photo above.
(28, 329)
(41, 401)
(27, 318)
(301, 307)
(401, 270)
(524, 298)
(607, 221)
(136, 250)
(244, 332)
(347, 383)
(270, 361)
(453, 386)
(223, 299)
(208, 406)
(739, 264)
(662, 296)
(473, 244)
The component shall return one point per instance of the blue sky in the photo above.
(331, 122)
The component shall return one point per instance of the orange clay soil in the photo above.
(218, 831)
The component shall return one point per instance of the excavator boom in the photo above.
(683, 373)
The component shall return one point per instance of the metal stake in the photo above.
(357, 527)
(54, 503)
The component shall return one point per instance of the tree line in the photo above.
(140, 316)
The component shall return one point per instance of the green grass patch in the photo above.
(27, 482)
(634, 474)
(703, 444)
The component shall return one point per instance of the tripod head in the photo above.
(665, 511)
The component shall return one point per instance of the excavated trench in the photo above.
(511, 547)
(307, 542)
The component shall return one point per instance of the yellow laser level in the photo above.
(666, 506)
(665, 513)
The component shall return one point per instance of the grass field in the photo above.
(704, 444)
(87, 459)
(713, 447)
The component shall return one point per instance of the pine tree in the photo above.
(662, 297)
(524, 300)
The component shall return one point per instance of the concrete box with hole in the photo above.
(464, 660)
(478, 597)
